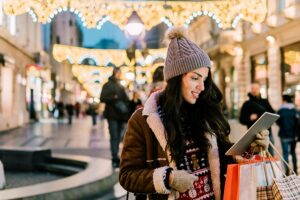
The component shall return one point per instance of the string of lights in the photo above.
(95, 13)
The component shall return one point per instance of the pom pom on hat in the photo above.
(183, 55)
(178, 32)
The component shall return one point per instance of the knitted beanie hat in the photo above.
(183, 55)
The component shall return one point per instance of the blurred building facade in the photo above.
(266, 52)
(23, 91)
(65, 30)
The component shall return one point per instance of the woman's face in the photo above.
(193, 84)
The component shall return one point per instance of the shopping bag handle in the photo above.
(271, 163)
(264, 165)
(281, 158)
(288, 187)
(264, 162)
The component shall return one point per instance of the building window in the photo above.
(70, 22)
(291, 70)
(259, 72)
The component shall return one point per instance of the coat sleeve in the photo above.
(269, 108)
(134, 175)
(244, 114)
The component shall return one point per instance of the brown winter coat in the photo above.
(138, 173)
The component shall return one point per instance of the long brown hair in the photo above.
(203, 116)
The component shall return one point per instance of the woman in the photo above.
(175, 146)
(135, 102)
(157, 79)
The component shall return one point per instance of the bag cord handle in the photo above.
(281, 158)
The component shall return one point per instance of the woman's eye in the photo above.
(194, 78)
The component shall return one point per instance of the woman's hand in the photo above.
(262, 140)
(181, 181)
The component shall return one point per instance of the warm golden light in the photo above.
(95, 13)
(271, 39)
(93, 77)
(75, 55)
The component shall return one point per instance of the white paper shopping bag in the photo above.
(248, 182)
(266, 179)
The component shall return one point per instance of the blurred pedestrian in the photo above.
(92, 110)
(175, 146)
(135, 102)
(32, 111)
(116, 111)
(254, 107)
(287, 129)
(60, 111)
(77, 109)
(70, 112)
(158, 82)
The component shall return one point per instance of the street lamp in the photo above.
(136, 31)
(135, 26)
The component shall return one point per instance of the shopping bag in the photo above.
(2, 176)
(248, 182)
(286, 188)
(121, 107)
(256, 180)
(231, 189)
(241, 180)
(264, 193)
(266, 174)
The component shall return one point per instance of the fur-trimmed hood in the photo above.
(156, 125)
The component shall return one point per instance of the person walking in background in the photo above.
(175, 145)
(116, 111)
(60, 111)
(77, 109)
(254, 107)
(93, 111)
(158, 82)
(287, 129)
(135, 102)
(70, 112)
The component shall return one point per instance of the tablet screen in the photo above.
(263, 123)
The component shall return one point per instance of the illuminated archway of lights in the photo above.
(94, 13)
(93, 77)
(115, 56)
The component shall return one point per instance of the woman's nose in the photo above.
(200, 86)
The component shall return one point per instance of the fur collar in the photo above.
(155, 124)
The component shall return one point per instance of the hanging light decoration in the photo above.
(94, 13)
(93, 77)
(75, 55)
(134, 26)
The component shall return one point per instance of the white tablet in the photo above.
(264, 122)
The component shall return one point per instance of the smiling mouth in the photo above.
(195, 94)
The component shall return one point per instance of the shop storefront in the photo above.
(259, 72)
(38, 91)
(291, 70)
